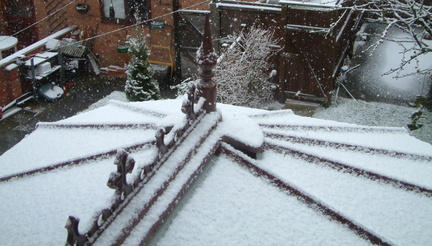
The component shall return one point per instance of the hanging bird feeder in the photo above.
(82, 8)
(122, 48)
(157, 24)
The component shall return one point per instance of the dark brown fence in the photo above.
(315, 41)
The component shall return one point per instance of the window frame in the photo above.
(128, 19)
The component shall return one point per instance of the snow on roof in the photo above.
(233, 207)
(315, 181)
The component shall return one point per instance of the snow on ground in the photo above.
(366, 113)
(376, 114)
(369, 82)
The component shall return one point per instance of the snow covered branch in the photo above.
(242, 71)
(413, 17)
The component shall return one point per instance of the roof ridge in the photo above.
(134, 108)
(73, 162)
(346, 146)
(346, 128)
(102, 126)
(345, 168)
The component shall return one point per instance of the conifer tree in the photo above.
(140, 84)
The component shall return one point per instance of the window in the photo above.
(121, 11)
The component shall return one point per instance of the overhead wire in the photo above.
(37, 22)
(116, 30)
(123, 28)
(145, 21)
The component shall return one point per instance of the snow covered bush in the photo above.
(140, 84)
(242, 73)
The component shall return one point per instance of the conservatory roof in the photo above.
(310, 182)
(150, 173)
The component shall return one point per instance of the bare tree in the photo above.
(413, 17)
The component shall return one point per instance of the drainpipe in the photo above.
(177, 62)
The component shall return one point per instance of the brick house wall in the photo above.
(92, 24)
(10, 85)
(3, 25)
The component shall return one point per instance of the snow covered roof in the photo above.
(314, 182)
(214, 175)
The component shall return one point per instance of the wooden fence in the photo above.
(315, 40)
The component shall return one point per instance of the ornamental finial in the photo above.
(207, 59)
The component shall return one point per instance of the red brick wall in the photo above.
(199, 5)
(106, 46)
(3, 25)
(10, 84)
(90, 24)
